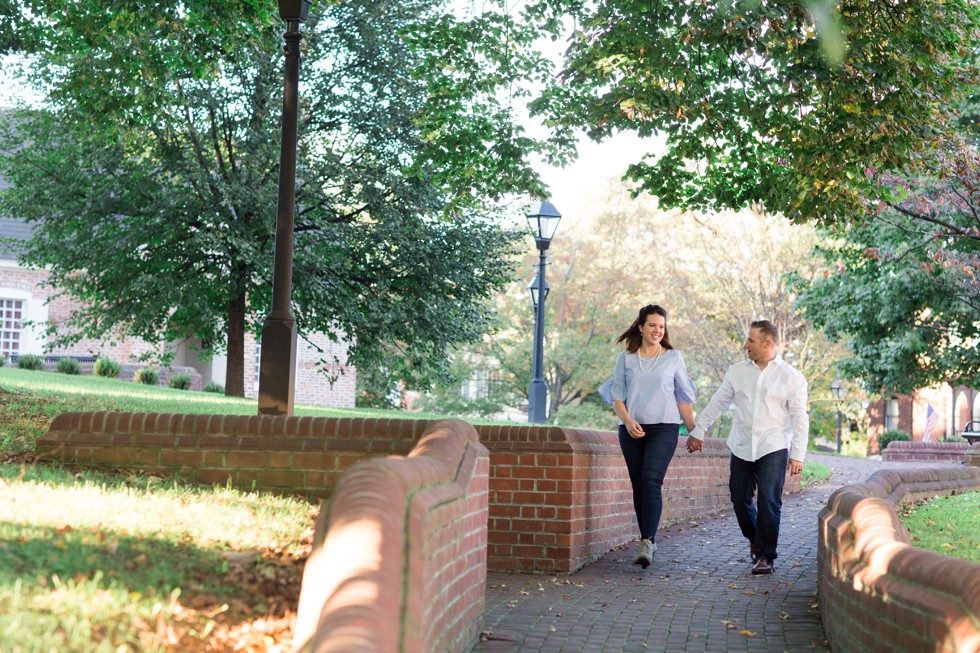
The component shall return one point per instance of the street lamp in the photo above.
(542, 220)
(277, 369)
(839, 392)
(532, 290)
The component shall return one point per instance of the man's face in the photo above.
(758, 346)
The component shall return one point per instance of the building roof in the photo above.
(12, 229)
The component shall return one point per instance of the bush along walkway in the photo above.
(698, 595)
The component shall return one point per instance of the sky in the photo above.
(578, 189)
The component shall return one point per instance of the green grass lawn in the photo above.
(814, 473)
(29, 400)
(100, 562)
(948, 525)
(91, 561)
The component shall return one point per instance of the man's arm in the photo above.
(719, 403)
(800, 422)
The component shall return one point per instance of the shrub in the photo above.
(216, 388)
(30, 362)
(180, 381)
(69, 366)
(3, 360)
(892, 435)
(146, 376)
(106, 367)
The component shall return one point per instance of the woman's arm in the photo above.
(632, 426)
(687, 414)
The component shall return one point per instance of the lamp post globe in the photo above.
(542, 222)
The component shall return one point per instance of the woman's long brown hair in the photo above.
(632, 335)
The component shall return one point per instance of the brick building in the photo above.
(24, 301)
(955, 406)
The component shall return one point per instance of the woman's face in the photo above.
(652, 329)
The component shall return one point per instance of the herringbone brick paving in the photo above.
(698, 594)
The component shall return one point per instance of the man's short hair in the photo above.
(767, 329)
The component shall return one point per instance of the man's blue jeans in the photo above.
(647, 460)
(760, 526)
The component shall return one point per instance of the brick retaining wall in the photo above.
(559, 498)
(361, 593)
(971, 458)
(878, 593)
(899, 451)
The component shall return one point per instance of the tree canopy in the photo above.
(713, 273)
(762, 102)
(151, 171)
(902, 287)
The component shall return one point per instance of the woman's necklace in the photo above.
(655, 359)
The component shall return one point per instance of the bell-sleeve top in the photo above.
(651, 394)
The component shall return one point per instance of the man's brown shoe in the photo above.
(762, 566)
(755, 552)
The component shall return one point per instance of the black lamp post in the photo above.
(838, 391)
(277, 370)
(542, 220)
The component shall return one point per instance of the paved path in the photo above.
(697, 596)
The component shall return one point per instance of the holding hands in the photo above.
(693, 444)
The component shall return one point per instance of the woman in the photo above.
(651, 393)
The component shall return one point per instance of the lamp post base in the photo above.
(537, 399)
(277, 372)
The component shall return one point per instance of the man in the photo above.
(769, 433)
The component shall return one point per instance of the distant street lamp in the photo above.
(542, 220)
(532, 290)
(839, 392)
(277, 369)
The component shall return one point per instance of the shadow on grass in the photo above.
(26, 468)
(33, 555)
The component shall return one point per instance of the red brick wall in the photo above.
(971, 458)
(925, 451)
(303, 455)
(432, 504)
(876, 592)
(559, 498)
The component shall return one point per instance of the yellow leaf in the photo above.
(747, 633)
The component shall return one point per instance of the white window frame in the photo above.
(12, 314)
(892, 412)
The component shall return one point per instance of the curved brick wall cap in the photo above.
(349, 607)
(877, 559)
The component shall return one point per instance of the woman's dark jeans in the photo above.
(759, 526)
(647, 460)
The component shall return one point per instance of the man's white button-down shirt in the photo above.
(770, 410)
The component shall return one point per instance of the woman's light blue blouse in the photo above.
(651, 396)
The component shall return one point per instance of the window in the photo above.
(11, 314)
(481, 384)
(891, 414)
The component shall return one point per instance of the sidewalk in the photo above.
(698, 594)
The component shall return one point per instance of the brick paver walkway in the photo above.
(698, 595)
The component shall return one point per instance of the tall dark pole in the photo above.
(537, 396)
(277, 371)
(838, 427)
(838, 391)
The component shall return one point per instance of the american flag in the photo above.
(932, 418)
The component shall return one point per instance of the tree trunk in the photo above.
(235, 372)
